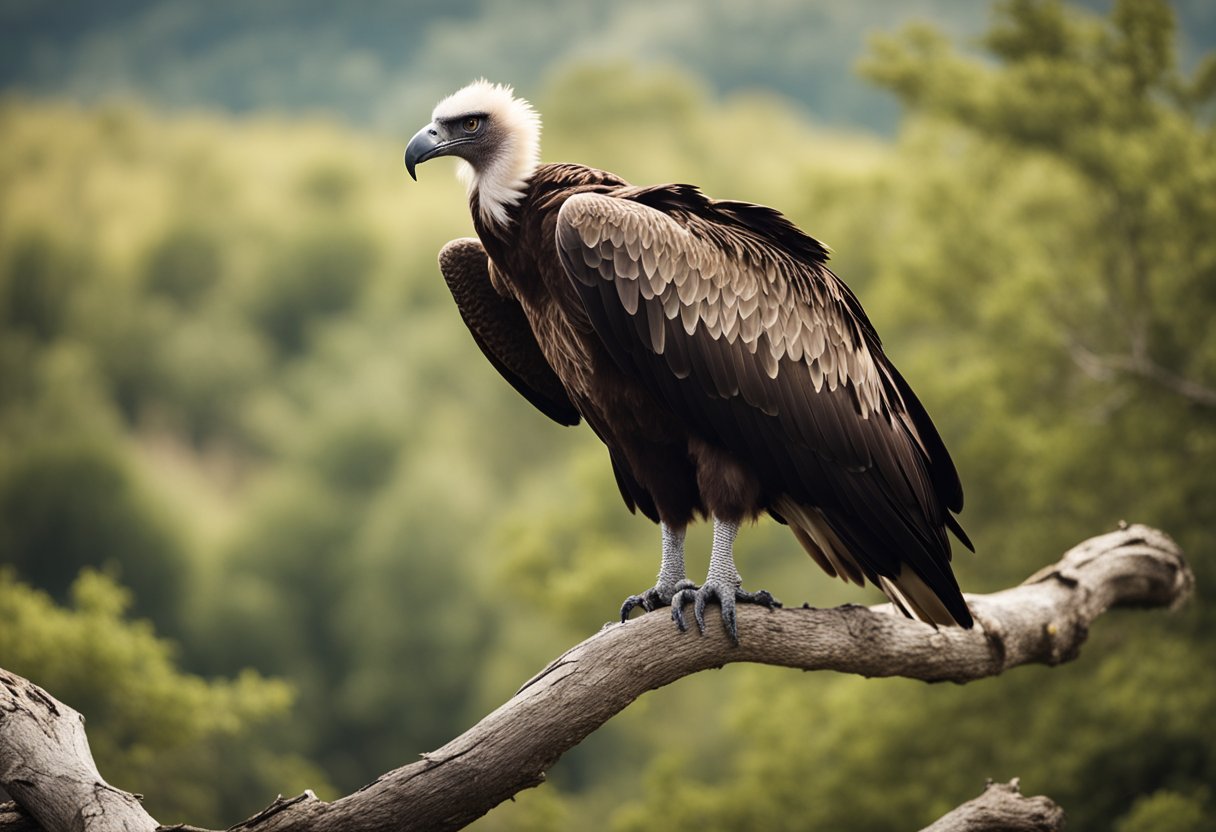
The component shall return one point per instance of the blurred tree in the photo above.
(317, 276)
(184, 265)
(68, 504)
(330, 185)
(1167, 811)
(1108, 106)
(37, 281)
(1093, 266)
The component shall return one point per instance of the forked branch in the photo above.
(1002, 808)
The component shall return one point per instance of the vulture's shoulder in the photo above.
(724, 218)
(562, 176)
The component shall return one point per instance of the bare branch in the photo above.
(46, 765)
(1045, 621)
(1002, 808)
(1138, 363)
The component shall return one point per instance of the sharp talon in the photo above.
(727, 600)
(678, 617)
(677, 608)
(698, 609)
(656, 597)
(627, 607)
(679, 594)
(728, 619)
(760, 597)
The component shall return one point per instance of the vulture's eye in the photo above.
(471, 124)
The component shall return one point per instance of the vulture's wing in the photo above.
(728, 313)
(501, 330)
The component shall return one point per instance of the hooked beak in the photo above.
(425, 145)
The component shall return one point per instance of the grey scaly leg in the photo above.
(671, 575)
(722, 557)
(671, 570)
(721, 584)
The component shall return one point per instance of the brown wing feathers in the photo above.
(501, 330)
(729, 314)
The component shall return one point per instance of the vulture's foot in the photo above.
(657, 596)
(726, 596)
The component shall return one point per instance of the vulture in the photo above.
(706, 342)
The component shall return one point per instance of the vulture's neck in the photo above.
(500, 183)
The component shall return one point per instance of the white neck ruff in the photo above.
(503, 179)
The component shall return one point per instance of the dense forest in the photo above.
(271, 522)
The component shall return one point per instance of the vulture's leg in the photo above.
(671, 575)
(721, 585)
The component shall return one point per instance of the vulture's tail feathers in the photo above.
(907, 590)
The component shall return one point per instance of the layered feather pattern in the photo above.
(730, 316)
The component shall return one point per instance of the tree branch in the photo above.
(1002, 808)
(1138, 363)
(46, 765)
(1044, 621)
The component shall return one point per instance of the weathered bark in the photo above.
(1002, 808)
(1045, 621)
(46, 765)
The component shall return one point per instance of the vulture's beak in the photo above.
(425, 145)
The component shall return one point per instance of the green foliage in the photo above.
(177, 738)
(1167, 811)
(184, 265)
(36, 286)
(67, 505)
(317, 276)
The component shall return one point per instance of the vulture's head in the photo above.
(494, 134)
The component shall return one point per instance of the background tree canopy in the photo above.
(232, 381)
